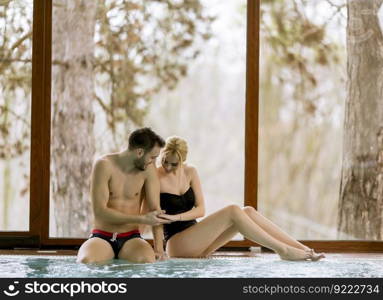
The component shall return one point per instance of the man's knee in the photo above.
(86, 260)
(137, 251)
(143, 258)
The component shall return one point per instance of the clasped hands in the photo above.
(159, 217)
(155, 218)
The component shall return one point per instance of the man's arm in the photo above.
(152, 198)
(100, 195)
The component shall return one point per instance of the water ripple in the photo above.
(233, 267)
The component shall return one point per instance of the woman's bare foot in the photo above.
(316, 256)
(291, 253)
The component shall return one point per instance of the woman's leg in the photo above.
(266, 225)
(277, 233)
(221, 240)
(273, 229)
(194, 241)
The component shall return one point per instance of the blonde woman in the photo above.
(182, 199)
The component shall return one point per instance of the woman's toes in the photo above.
(316, 257)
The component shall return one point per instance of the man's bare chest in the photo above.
(122, 185)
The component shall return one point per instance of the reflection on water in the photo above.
(243, 267)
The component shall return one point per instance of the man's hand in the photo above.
(171, 218)
(152, 218)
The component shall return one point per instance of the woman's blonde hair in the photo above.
(176, 145)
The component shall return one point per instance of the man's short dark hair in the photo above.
(145, 138)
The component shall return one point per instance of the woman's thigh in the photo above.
(193, 241)
(95, 250)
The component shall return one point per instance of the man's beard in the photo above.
(139, 163)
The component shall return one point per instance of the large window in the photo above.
(15, 113)
(319, 166)
(102, 69)
(116, 65)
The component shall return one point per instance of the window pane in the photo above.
(121, 66)
(15, 113)
(305, 145)
(207, 107)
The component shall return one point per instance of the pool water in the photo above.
(261, 266)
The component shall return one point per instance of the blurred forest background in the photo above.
(320, 122)
(302, 95)
(179, 67)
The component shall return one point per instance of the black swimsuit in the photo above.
(176, 204)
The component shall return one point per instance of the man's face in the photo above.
(145, 159)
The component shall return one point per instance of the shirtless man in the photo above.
(121, 183)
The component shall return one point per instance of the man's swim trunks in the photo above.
(116, 240)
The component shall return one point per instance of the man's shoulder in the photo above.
(151, 170)
(102, 162)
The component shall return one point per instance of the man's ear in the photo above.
(140, 152)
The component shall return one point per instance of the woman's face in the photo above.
(170, 162)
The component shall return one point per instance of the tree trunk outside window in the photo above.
(360, 209)
(72, 139)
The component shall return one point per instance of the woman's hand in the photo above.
(153, 218)
(172, 218)
(161, 256)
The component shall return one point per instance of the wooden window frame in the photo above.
(38, 234)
